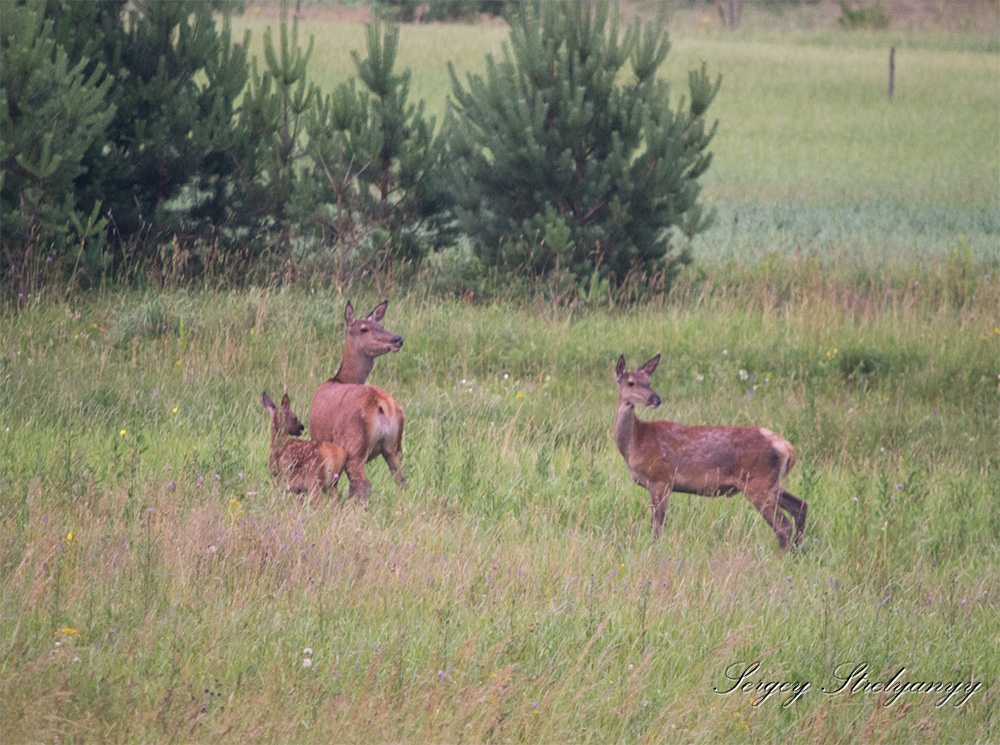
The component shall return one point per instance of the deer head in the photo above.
(633, 385)
(283, 420)
(368, 335)
(366, 340)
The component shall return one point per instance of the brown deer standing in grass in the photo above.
(364, 419)
(305, 465)
(665, 457)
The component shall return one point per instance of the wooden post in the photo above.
(892, 71)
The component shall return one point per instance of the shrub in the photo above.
(408, 11)
(51, 111)
(872, 16)
(277, 103)
(376, 162)
(558, 166)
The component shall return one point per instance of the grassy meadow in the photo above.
(157, 586)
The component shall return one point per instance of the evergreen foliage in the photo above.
(273, 119)
(144, 123)
(177, 79)
(154, 85)
(560, 167)
(377, 160)
(415, 11)
(871, 17)
(51, 110)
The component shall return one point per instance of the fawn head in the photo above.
(283, 420)
(633, 385)
(367, 336)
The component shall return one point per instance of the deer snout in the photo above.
(654, 401)
(396, 343)
(296, 429)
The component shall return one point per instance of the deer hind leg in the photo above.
(333, 482)
(328, 476)
(360, 486)
(391, 452)
(392, 460)
(315, 491)
(797, 508)
(660, 497)
(767, 504)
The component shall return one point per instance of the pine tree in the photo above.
(156, 144)
(175, 76)
(557, 165)
(377, 158)
(401, 145)
(51, 110)
(273, 121)
(420, 11)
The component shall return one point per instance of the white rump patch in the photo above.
(782, 446)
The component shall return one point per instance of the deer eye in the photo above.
(631, 382)
(364, 329)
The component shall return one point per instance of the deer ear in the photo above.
(349, 313)
(286, 402)
(650, 366)
(377, 314)
(620, 367)
(268, 403)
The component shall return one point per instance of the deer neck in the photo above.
(355, 366)
(278, 440)
(625, 428)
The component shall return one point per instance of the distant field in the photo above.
(808, 146)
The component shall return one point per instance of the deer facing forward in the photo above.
(666, 457)
(305, 465)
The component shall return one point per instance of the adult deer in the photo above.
(305, 465)
(666, 457)
(363, 419)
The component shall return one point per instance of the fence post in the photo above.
(892, 72)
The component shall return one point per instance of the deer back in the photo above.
(363, 419)
(307, 464)
(709, 460)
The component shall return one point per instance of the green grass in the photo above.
(156, 586)
(517, 574)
